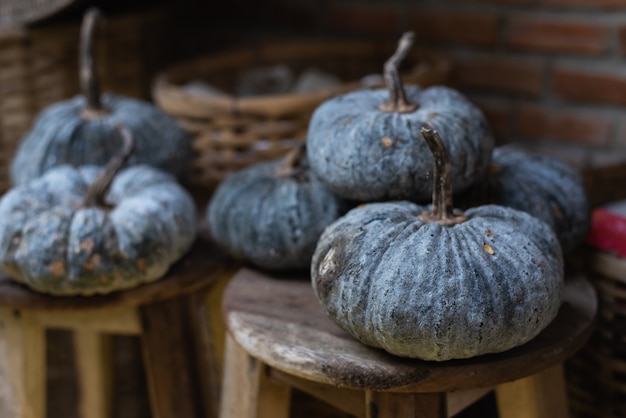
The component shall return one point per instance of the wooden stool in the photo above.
(170, 315)
(279, 338)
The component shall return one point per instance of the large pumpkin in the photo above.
(86, 230)
(430, 283)
(81, 130)
(272, 214)
(363, 146)
(543, 186)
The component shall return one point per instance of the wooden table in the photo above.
(280, 338)
(170, 315)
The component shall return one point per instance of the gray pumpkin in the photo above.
(272, 214)
(543, 186)
(430, 283)
(81, 130)
(363, 144)
(54, 243)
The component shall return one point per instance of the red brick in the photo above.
(499, 115)
(499, 74)
(557, 35)
(591, 86)
(459, 28)
(375, 20)
(621, 34)
(542, 122)
(598, 4)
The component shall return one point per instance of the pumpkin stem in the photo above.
(443, 209)
(99, 187)
(292, 161)
(397, 96)
(89, 82)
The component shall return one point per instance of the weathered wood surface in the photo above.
(282, 323)
(247, 391)
(198, 269)
(542, 395)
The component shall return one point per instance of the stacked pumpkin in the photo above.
(96, 206)
(418, 280)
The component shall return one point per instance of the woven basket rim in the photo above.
(170, 96)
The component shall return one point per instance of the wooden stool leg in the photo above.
(542, 395)
(22, 365)
(179, 358)
(405, 405)
(94, 368)
(246, 390)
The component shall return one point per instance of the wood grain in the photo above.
(281, 323)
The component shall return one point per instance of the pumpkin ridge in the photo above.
(260, 230)
(558, 199)
(476, 287)
(495, 266)
(430, 237)
(223, 232)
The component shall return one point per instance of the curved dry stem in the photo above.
(291, 163)
(398, 101)
(89, 82)
(96, 192)
(443, 209)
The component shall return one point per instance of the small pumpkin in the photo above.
(86, 230)
(82, 130)
(545, 187)
(437, 284)
(362, 145)
(271, 214)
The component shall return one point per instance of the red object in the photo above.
(608, 230)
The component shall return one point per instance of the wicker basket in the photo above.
(597, 374)
(38, 66)
(230, 133)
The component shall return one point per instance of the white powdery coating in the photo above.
(436, 292)
(50, 242)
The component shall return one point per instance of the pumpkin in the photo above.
(271, 214)
(362, 144)
(81, 130)
(86, 230)
(431, 283)
(545, 187)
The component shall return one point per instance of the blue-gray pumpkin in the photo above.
(545, 187)
(82, 130)
(365, 145)
(272, 214)
(431, 283)
(61, 235)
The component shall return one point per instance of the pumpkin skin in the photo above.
(272, 221)
(438, 292)
(52, 243)
(61, 135)
(366, 154)
(545, 187)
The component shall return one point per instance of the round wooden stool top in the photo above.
(281, 322)
(202, 266)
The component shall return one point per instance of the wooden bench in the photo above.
(170, 315)
(279, 338)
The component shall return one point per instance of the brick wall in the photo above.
(549, 72)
